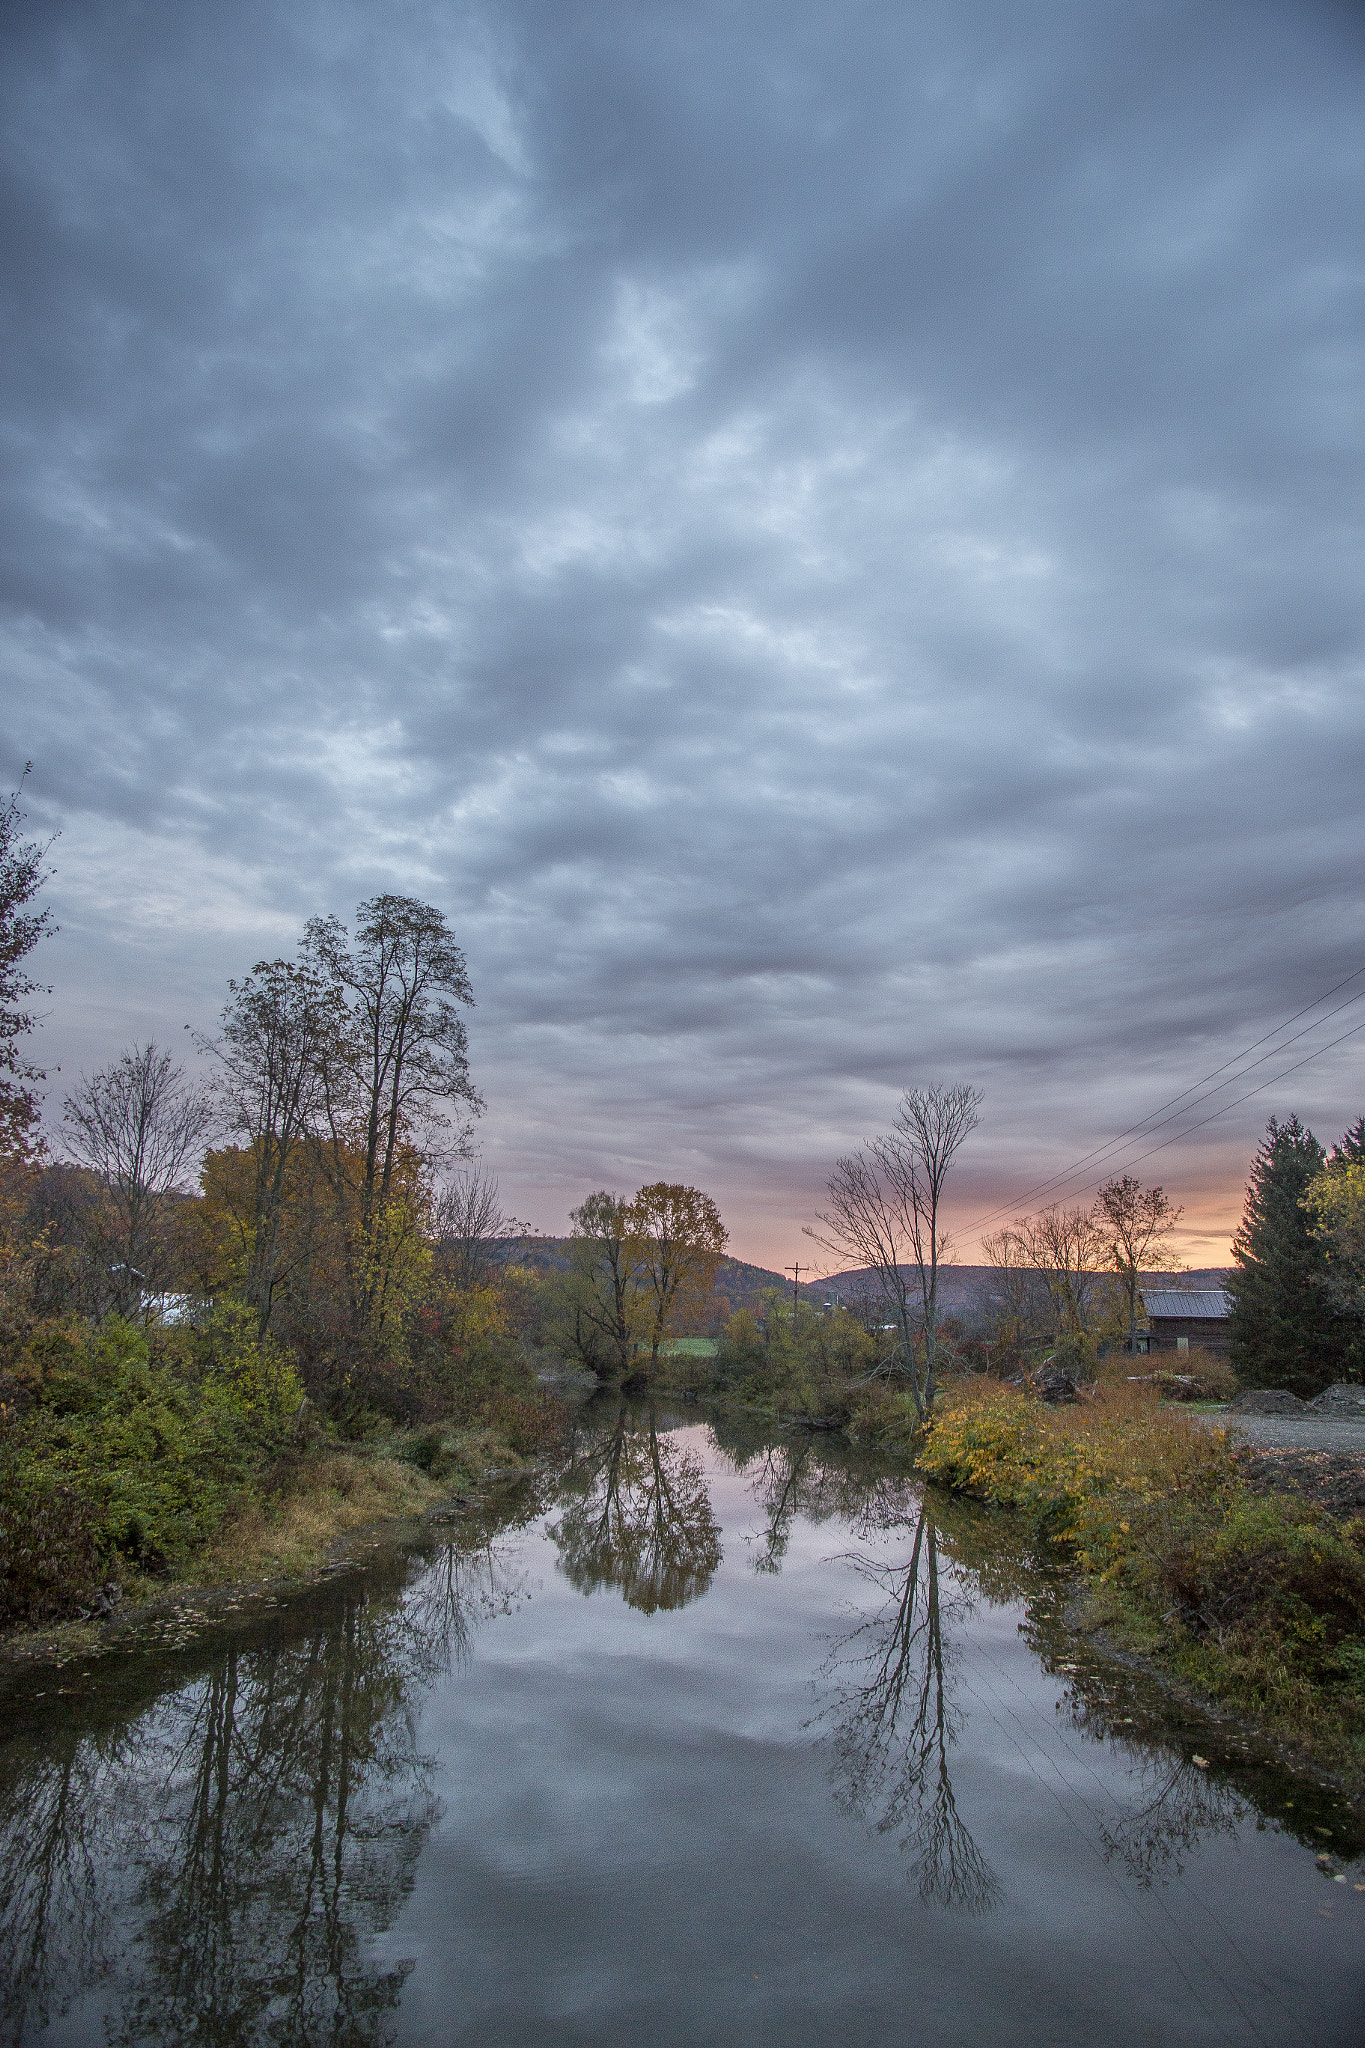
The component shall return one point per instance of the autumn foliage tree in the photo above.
(637, 1269)
(1136, 1224)
(280, 1039)
(604, 1308)
(1335, 1202)
(678, 1240)
(401, 1066)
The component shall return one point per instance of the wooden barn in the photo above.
(1178, 1317)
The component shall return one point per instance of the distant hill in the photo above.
(738, 1285)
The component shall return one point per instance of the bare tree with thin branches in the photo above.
(141, 1126)
(886, 1203)
(472, 1228)
(1067, 1247)
(1017, 1300)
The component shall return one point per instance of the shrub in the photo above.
(257, 1374)
(49, 1557)
(531, 1424)
(741, 1350)
(1057, 1462)
(805, 1365)
(1271, 1565)
(157, 1444)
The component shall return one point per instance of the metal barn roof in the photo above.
(1191, 1301)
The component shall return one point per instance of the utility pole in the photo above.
(796, 1271)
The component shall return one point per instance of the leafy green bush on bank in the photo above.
(130, 1451)
(1258, 1601)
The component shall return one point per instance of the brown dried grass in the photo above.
(326, 1497)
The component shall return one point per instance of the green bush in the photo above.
(49, 1557)
(806, 1365)
(154, 1441)
(1270, 1566)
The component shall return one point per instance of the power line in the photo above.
(1156, 1122)
(1259, 1089)
(1157, 1118)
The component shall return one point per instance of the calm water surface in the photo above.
(707, 1738)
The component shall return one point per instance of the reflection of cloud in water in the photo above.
(893, 1722)
(639, 1516)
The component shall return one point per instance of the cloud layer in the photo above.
(828, 541)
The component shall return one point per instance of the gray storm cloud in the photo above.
(828, 540)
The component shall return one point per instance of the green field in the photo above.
(688, 1347)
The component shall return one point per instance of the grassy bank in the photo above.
(1255, 1602)
(333, 1489)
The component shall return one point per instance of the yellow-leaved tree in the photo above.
(677, 1240)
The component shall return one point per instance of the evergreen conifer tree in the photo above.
(1351, 1150)
(1285, 1330)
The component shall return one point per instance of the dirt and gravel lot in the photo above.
(1319, 1456)
(1295, 1432)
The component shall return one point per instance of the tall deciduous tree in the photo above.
(885, 1215)
(678, 1240)
(141, 1126)
(1284, 1327)
(403, 1056)
(606, 1308)
(1335, 1204)
(281, 1032)
(22, 874)
(471, 1227)
(1136, 1224)
(1016, 1301)
(1067, 1247)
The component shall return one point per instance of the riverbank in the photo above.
(337, 1506)
(1254, 1600)
(132, 1459)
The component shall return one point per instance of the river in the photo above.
(709, 1736)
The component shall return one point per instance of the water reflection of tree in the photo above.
(818, 1478)
(894, 1722)
(1179, 1807)
(639, 1516)
(221, 1862)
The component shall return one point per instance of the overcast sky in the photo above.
(828, 539)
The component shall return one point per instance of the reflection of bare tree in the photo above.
(297, 1807)
(894, 1723)
(53, 1908)
(639, 1515)
(819, 1479)
(1181, 1804)
(778, 1489)
(222, 1862)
